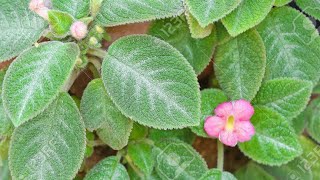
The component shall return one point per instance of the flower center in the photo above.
(230, 123)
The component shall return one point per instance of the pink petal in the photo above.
(224, 110)
(244, 130)
(228, 138)
(242, 110)
(214, 125)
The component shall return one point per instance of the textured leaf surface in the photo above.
(313, 119)
(311, 7)
(311, 152)
(117, 12)
(77, 8)
(288, 97)
(195, 29)
(281, 2)
(20, 28)
(152, 83)
(292, 45)
(182, 134)
(35, 78)
(253, 171)
(299, 122)
(50, 145)
(209, 11)
(210, 99)
(176, 32)
(138, 132)
(247, 15)
(216, 174)
(178, 160)
(4, 170)
(109, 168)
(274, 142)
(60, 22)
(240, 65)
(141, 156)
(6, 126)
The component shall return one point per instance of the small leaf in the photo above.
(141, 155)
(138, 132)
(76, 8)
(50, 145)
(274, 142)
(253, 171)
(292, 45)
(108, 168)
(176, 32)
(117, 12)
(209, 11)
(313, 119)
(20, 28)
(210, 99)
(288, 97)
(178, 160)
(60, 22)
(247, 15)
(35, 78)
(184, 135)
(281, 2)
(196, 30)
(240, 65)
(311, 7)
(152, 83)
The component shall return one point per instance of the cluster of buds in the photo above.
(41, 7)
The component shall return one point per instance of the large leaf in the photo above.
(152, 83)
(50, 145)
(292, 45)
(178, 160)
(274, 142)
(209, 11)
(247, 15)
(313, 119)
(281, 2)
(175, 31)
(109, 168)
(288, 97)
(117, 12)
(141, 155)
(240, 65)
(20, 28)
(210, 99)
(311, 7)
(35, 78)
(77, 8)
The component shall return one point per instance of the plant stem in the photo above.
(100, 53)
(96, 62)
(220, 155)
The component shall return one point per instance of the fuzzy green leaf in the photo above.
(247, 15)
(196, 30)
(311, 7)
(60, 22)
(4, 170)
(222, 34)
(176, 32)
(6, 126)
(316, 89)
(299, 123)
(20, 28)
(50, 145)
(216, 174)
(178, 160)
(76, 8)
(292, 45)
(274, 142)
(117, 12)
(281, 2)
(313, 119)
(141, 155)
(210, 99)
(209, 11)
(152, 83)
(182, 134)
(311, 154)
(253, 171)
(138, 132)
(35, 78)
(108, 168)
(240, 65)
(287, 96)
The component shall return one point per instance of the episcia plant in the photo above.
(242, 72)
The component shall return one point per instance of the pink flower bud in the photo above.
(79, 30)
(41, 7)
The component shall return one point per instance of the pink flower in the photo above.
(231, 123)
(79, 30)
(41, 7)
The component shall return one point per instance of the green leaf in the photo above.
(210, 99)
(316, 89)
(209, 11)
(311, 154)
(141, 155)
(138, 132)
(176, 32)
(4, 170)
(2, 74)
(50, 145)
(299, 122)
(313, 119)
(247, 15)
(253, 171)
(117, 12)
(178, 160)
(108, 168)
(35, 78)
(20, 28)
(184, 135)
(292, 45)
(289, 97)
(6, 126)
(311, 7)
(274, 142)
(216, 174)
(240, 65)
(60, 23)
(196, 30)
(222, 34)
(281, 2)
(152, 83)
(76, 8)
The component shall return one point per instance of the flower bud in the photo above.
(41, 7)
(79, 30)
